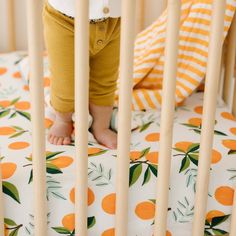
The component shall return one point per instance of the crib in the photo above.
(219, 77)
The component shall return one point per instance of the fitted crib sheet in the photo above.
(16, 164)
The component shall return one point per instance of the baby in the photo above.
(104, 62)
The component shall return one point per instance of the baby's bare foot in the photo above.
(106, 137)
(61, 130)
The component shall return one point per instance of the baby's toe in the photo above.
(112, 145)
(60, 141)
(51, 138)
(55, 140)
(66, 140)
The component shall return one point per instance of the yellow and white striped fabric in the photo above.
(192, 59)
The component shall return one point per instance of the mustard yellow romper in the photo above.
(104, 59)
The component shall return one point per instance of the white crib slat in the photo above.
(81, 114)
(167, 116)
(1, 203)
(230, 62)
(233, 216)
(35, 45)
(208, 121)
(11, 25)
(124, 126)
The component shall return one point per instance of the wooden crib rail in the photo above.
(208, 121)
(11, 26)
(35, 44)
(124, 126)
(167, 116)
(81, 114)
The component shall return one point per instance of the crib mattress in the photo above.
(16, 164)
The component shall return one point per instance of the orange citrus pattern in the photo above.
(183, 145)
(7, 130)
(62, 161)
(233, 130)
(215, 157)
(5, 103)
(109, 203)
(153, 137)
(231, 144)
(109, 232)
(3, 70)
(68, 222)
(224, 195)
(135, 155)
(48, 123)
(23, 105)
(198, 109)
(145, 210)
(18, 145)
(17, 75)
(228, 116)
(8, 169)
(212, 214)
(6, 231)
(94, 150)
(152, 157)
(195, 121)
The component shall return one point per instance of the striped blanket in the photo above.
(192, 59)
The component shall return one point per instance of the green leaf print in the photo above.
(153, 168)
(31, 177)
(135, 172)
(18, 134)
(219, 133)
(15, 101)
(218, 220)
(145, 126)
(193, 147)
(91, 221)
(206, 233)
(10, 222)
(193, 158)
(61, 230)
(24, 114)
(13, 115)
(14, 232)
(219, 232)
(185, 164)
(144, 152)
(97, 153)
(52, 169)
(52, 154)
(98, 174)
(231, 152)
(12, 227)
(147, 176)
(11, 191)
(4, 113)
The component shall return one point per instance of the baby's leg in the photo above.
(59, 39)
(104, 67)
(101, 124)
